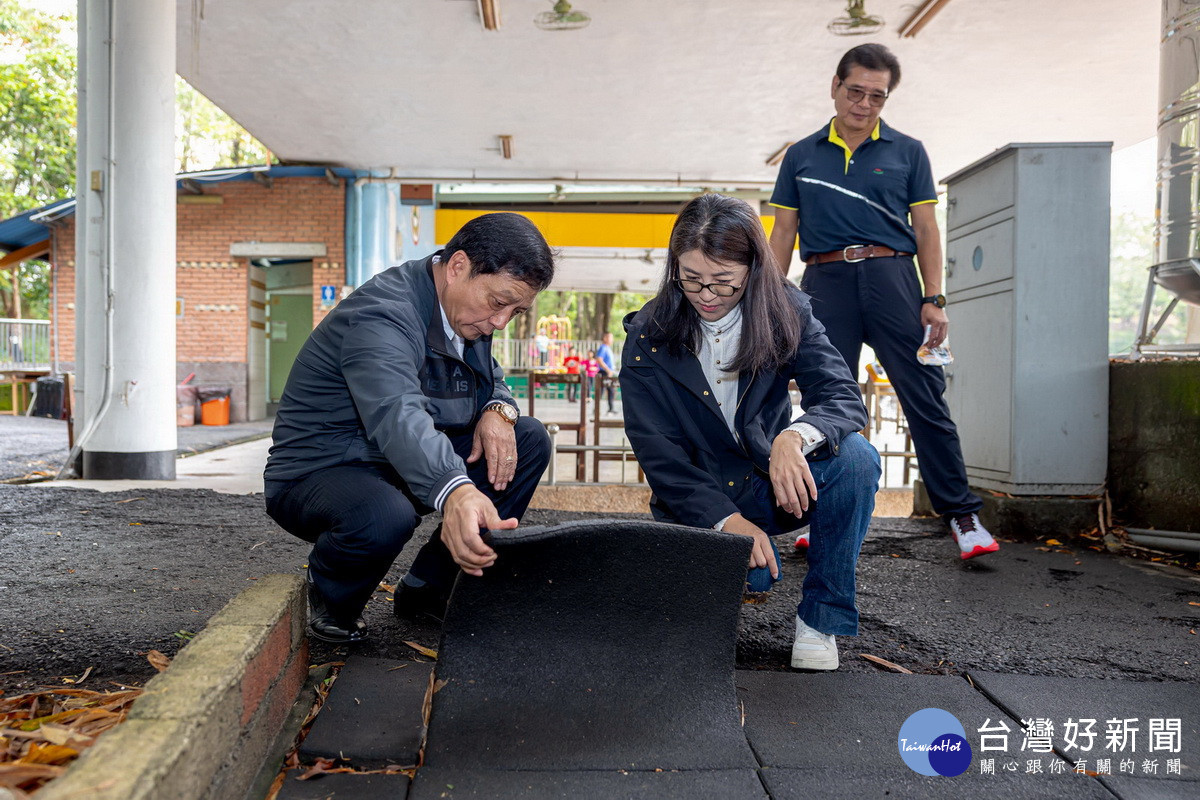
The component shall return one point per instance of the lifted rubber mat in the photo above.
(599, 645)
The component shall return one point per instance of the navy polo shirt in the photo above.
(847, 198)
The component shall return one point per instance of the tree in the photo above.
(37, 135)
(1132, 254)
(207, 138)
(37, 108)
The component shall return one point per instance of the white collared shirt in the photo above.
(718, 348)
(453, 338)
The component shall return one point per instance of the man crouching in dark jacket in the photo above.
(395, 408)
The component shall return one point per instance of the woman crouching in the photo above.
(704, 380)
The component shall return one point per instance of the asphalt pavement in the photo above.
(95, 580)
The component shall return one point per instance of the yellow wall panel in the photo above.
(567, 229)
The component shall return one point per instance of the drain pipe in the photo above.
(1176, 541)
(106, 263)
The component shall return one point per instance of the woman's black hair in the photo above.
(505, 242)
(728, 230)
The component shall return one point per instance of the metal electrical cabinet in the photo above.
(1027, 261)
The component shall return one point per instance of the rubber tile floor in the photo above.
(824, 735)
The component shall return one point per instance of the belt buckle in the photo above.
(846, 253)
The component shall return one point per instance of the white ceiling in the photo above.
(695, 91)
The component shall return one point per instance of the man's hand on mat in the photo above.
(467, 512)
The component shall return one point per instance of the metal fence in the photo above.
(521, 355)
(24, 345)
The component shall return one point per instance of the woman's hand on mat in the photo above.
(496, 441)
(467, 512)
(761, 554)
(791, 478)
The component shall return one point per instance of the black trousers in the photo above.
(878, 302)
(359, 516)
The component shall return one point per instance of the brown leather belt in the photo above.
(855, 252)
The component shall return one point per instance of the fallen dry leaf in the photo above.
(1053, 541)
(425, 651)
(21, 775)
(883, 662)
(157, 660)
(320, 767)
(386, 587)
(48, 754)
(80, 679)
(44, 730)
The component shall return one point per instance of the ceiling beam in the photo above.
(489, 14)
(921, 17)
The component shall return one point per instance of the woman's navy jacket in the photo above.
(698, 471)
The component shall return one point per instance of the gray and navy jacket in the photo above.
(699, 471)
(377, 381)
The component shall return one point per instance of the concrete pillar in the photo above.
(125, 245)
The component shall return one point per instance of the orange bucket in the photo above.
(215, 412)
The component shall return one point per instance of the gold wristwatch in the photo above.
(508, 412)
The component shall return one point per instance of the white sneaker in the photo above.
(802, 541)
(973, 539)
(813, 649)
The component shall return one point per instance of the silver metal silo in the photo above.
(1177, 217)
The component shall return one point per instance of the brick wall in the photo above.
(213, 285)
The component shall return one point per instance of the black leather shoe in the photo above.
(420, 604)
(324, 625)
(328, 630)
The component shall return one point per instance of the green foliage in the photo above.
(37, 134)
(208, 138)
(1132, 254)
(37, 108)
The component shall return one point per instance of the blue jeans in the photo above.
(846, 486)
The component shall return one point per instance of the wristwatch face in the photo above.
(939, 300)
(505, 410)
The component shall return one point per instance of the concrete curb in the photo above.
(205, 726)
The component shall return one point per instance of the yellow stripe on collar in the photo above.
(835, 139)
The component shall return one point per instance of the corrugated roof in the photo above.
(30, 227)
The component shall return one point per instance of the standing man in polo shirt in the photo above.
(861, 195)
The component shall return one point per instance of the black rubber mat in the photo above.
(831, 720)
(598, 645)
(735, 784)
(344, 786)
(1128, 788)
(1059, 699)
(851, 783)
(372, 716)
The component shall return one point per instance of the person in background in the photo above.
(571, 363)
(395, 408)
(542, 343)
(591, 368)
(608, 367)
(704, 385)
(860, 194)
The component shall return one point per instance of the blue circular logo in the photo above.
(934, 742)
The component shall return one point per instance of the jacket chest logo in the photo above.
(446, 380)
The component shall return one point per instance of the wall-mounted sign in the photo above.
(328, 297)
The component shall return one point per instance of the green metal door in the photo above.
(289, 323)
